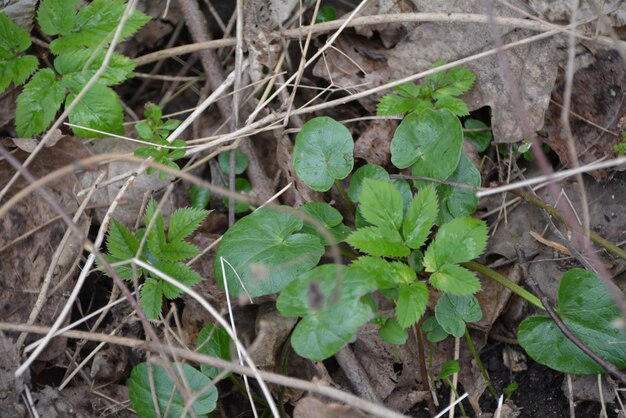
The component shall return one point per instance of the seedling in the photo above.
(79, 45)
(165, 251)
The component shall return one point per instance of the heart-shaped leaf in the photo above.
(459, 201)
(266, 251)
(368, 171)
(323, 153)
(452, 312)
(588, 310)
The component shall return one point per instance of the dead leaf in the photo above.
(29, 144)
(21, 12)
(313, 408)
(272, 330)
(514, 360)
(10, 386)
(585, 388)
(389, 33)
(373, 143)
(561, 10)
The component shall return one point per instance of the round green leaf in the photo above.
(323, 153)
(448, 369)
(588, 310)
(459, 201)
(213, 341)
(430, 141)
(452, 312)
(368, 171)
(392, 332)
(168, 397)
(199, 197)
(328, 216)
(267, 252)
(482, 138)
(241, 186)
(241, 162)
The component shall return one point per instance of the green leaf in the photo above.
(448, 369)
(323, 153)
(368, 171)
(329, 217)
(56, 16)
(589, 311)
(405, 191)
(455, 280)
(378, 241)
(411, 303)
(454, 105)
(386, 274)
(391, 104)
(95, 25)
(381, 204)
(241, 186)
(434, 332)
(184, 221)
(241, 162)
(392, 332)
(78, 66)
(453, 312)
(140, 391)
(458, 241)
(454, 82)
(156, 237)
(430, 141)
(38, 104)
(121, 243)
(314, 296)
(178, 251)
(413, 90)
(457, 202)
(152, 297)
(16, 70)
(482, 139)
(179, 271)
(326, 14)
(13, 38)
(215, 342)
(98, 109)
(420, 217)
(266, 251)
(199, 197)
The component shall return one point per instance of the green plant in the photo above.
(164, 251)
(79, 45)
(153, 129)
(326, 14)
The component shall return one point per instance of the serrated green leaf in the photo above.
(453, 312)
(455, 280)
(454, 82)
(125, 272)
(458, 241)
(13, 38)
(434, 332)
(454, 105)
(152, 297)
(386, 274)
(121, 243)
(381, 204)
(95, 25)
(378, 241)
(314, 296)
(368, 171)
(38, 104)
(482, 139)
(199, 197)
(16, 70)
(589, 311)
(215, 342)
(457, 202)
(323, 153)
(241, 162)
(166, 392)
(448, 369)
(99, 109)
(184, 221)
(267, 252)
(420, 217)
(82, 64)
(411, 303)
(430, 141)
(392, 332)
(413, 90)
(179, 271)
(242, 186)
(178, 251)
(391, 104)
(56, 16)
(156, 237)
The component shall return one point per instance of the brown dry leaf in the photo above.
(561, 10)
(109, 364)
(313, 408)
(513, 359)
(598, 99)
(24, 263)
(533, 67)
(493, 297)
(272, 330)
(373, 143)
(21, 12)
(585, 388)
(10, 386)
(389, 33)
(29, 144)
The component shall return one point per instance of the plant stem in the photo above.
(504, 281)
(555, 213)
(456, 393)
(344, 197)
(480, 364)
(430, 400)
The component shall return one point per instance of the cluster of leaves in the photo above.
(79, 45)
(164, 251)
(155, 130)
(148, 378)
